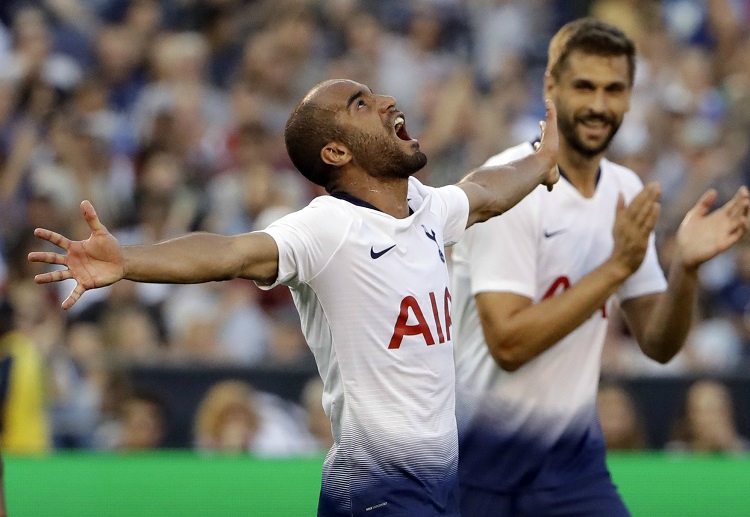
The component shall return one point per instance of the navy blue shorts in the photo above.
(590, 497)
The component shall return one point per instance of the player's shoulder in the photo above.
(324, 215)
(511, 154)
(418, 194)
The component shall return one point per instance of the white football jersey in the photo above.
(538, 425)
(373, 296)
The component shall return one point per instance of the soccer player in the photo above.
(367, 270)
(532, 291)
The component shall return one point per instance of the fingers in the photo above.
(47, 257)
(620, 202)
(704, 203)
(550, 113)
(73, 297)
(644, 206)
(53, 237)
(53, 276)
(739, 205)
(91, 218)
(549, 124)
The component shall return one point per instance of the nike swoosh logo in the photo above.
(377, 254)
(547, 234)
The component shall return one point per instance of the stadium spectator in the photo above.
(621, 422)
(226, 420)
(143, 423)
(318, 424)
(24, 426)
(708, 424)
(235, 418)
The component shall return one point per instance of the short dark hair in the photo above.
(590, 36)
(309, 128)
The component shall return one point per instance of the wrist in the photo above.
(683, 264)
(126, 252)
(616, 271)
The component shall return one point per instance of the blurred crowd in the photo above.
(169, 114)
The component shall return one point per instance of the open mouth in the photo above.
(399, 126)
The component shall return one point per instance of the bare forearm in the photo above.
(496, 189)
(671, 317)
(519, 338)
(192, 258)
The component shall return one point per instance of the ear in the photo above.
(335, 154)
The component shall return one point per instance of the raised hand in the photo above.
(633, 225)
(95, 262)
(549, 143)
(702, 236)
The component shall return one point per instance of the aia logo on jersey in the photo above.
(431, 235)
(562, 284)
(410, 306)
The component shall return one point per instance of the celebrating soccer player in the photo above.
(532, 290)
(366, 266)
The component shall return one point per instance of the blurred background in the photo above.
(168, 115)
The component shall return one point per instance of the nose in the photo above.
(599, 101)
(386, 103)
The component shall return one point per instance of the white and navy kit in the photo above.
(373, 296)
(537, 427)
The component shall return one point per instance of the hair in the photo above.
(221, 397)
(309, 128)
(590, 36)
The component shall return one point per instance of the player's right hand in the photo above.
(633, 226)
(95, 262)
(549, 143)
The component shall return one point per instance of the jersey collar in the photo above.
(344, 196)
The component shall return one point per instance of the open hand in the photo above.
(702, 236)
(95, 262)
(633, 226)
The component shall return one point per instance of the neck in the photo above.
(580, 170)
(387, 195)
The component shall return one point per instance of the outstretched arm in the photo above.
(662, 321)
(193, 258)
(493, 190)
(517, 330)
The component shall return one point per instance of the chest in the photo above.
(575, 236)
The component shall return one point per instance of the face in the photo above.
(142, 426)
(375, 131)
(592, 95)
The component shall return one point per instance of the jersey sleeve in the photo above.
(307, 240)
(649, 278)
(454, 210)
(502, 253)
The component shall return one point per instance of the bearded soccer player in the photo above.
(532, 292)
(366, 267)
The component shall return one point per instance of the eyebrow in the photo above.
(356, 95)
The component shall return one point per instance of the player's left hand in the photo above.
(702, 236)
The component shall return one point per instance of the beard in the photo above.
(567, 126)
(381, 156)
